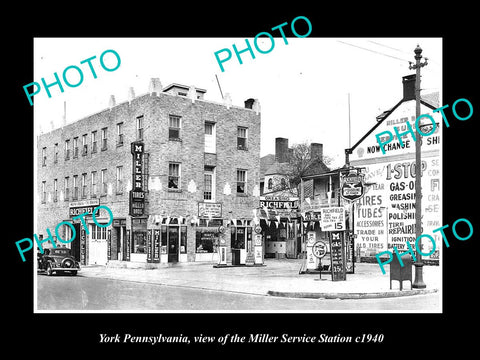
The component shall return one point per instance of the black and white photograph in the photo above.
(228, 186)
(243, 181)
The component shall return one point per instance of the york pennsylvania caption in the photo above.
(162, 187)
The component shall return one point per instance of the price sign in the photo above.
(337, 256)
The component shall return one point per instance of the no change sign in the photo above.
(332, 219)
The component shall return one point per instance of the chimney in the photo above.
(316, 151)
(227, 100)
(155, 86)
(64, 120)
(409, 87)
(256, 106)
(281, 150)
(192, 93)
(131, 94)
(111, 102)
(249, 103)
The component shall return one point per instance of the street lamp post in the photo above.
(418, 282)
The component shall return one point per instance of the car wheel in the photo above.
(49, 269)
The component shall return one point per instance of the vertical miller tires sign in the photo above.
(137, 195)
(352, 186)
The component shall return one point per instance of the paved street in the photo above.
(202, 287)
(83, 293)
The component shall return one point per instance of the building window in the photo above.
(55, 153)
(241, 181)
(242, 138)
(94, 142)
(67, 149)
(75, 147)
(67, 188)
(210, 146)
(75, 187)
(174, 176)
(103, 180)
(139, 242)
(140, 127)
(44, 192)
(97, 232)
(55, 190)
(94, 184)
(84, 145)
(209, 184)
(44, 156)
(174, 127)
(283, 183)
(84, 186)
(120, 134)
(119, 180)
(270, 184)
(206, 241)
(104, 139)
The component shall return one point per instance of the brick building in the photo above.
(179, 173)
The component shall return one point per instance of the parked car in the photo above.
(57, 260)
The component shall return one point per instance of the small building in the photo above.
(280, 215)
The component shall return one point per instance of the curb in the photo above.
(342, 296)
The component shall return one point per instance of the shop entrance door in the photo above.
(98, 252)
(173, 244)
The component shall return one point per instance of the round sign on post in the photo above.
(319, 249)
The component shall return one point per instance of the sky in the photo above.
(303, 86)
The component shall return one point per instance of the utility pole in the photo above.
(418, 282)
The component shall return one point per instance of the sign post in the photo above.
(319, 250)
(311, 259)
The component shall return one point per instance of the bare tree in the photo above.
(300, 161)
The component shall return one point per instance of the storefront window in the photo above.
(206, 240)
(139, 242)
(98, 233)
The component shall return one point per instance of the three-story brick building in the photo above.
(179, 173)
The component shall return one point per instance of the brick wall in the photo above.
(189, 152)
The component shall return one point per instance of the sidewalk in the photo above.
(279, 277)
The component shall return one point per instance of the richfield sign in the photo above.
(137, 195)
(352, 187)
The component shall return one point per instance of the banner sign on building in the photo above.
(279, 202)
(137, 195)
(83, 247)
(332, 218)
(156, 246)
(76, 208)
(127, 245)
(209, 209)
(149, 245)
